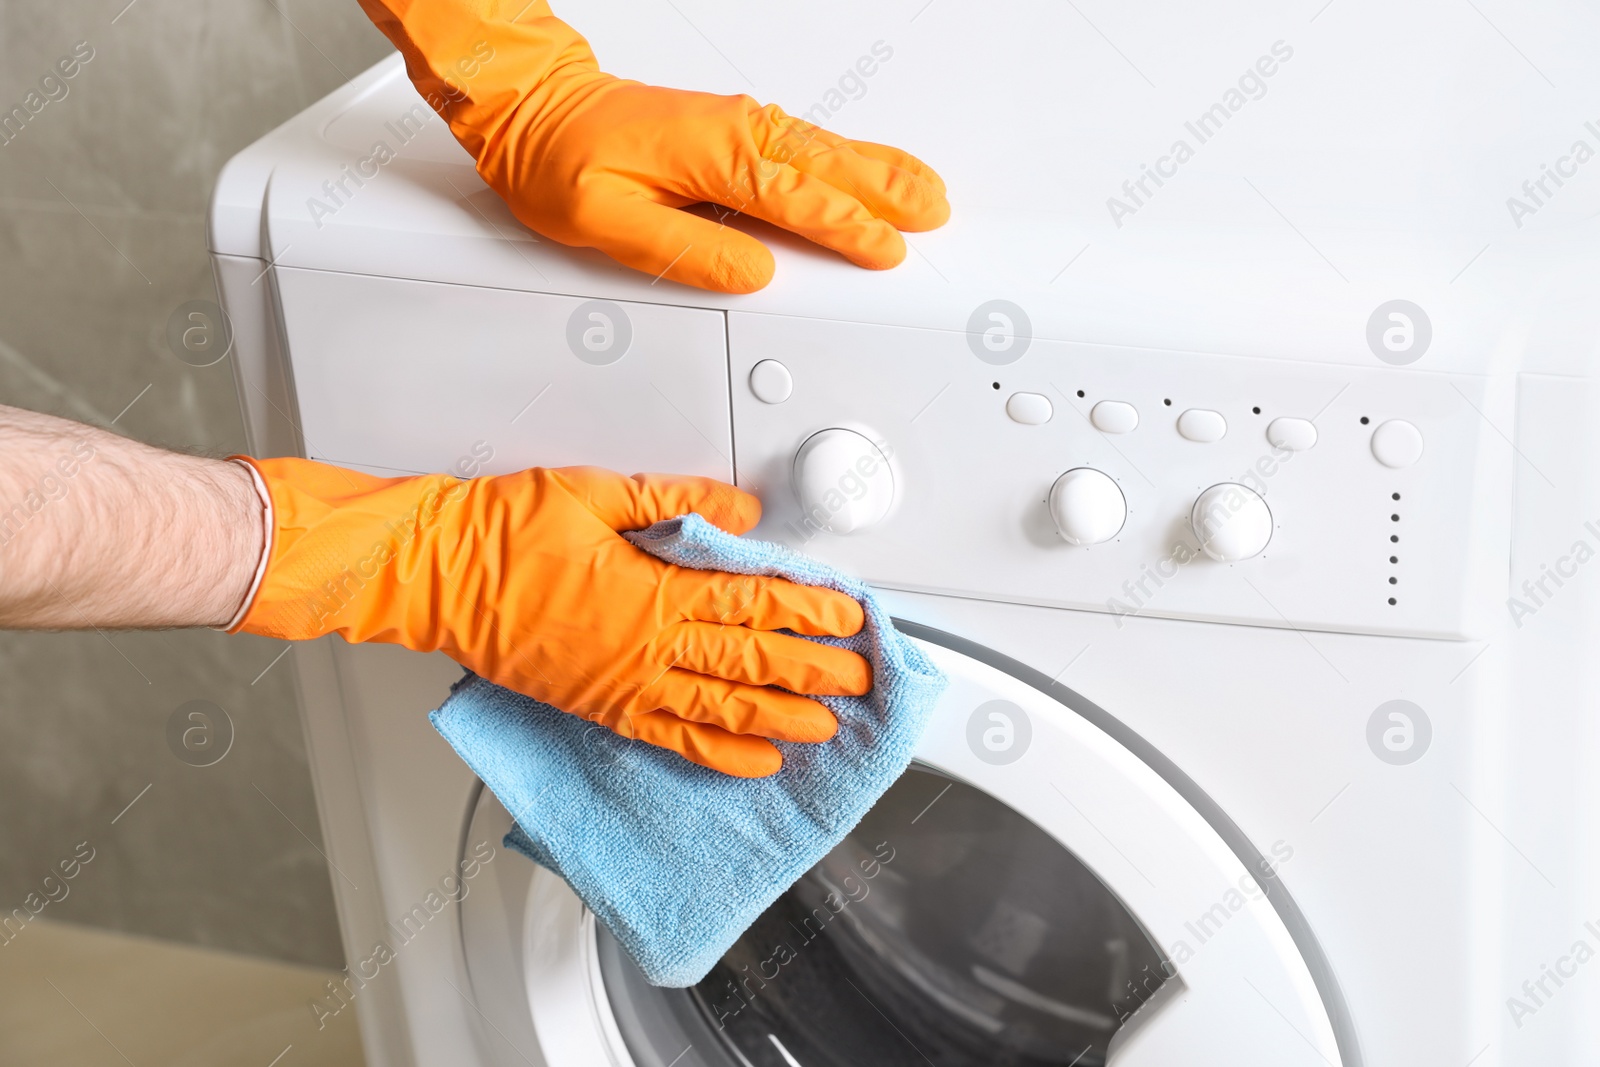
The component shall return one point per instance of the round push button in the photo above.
(771, 382)
(1397, 443)
(1114, 416)
(1296, 435)
(1198, 424)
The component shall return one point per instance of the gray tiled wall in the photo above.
(102, 234)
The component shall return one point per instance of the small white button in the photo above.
(771, 382)
(1198, 424)
(1297, 435)
(1397, 443)
(1030, 409)
(1113, 416)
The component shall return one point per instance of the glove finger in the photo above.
(778, 193)
(760, 657)
(897, 194)
(636, 502)
(765, 603)
(666, 242)
(739, 708)
(807, 131)
(895, 158)
(739, 755)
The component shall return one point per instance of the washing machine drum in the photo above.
(945, 929)
(1041, 888)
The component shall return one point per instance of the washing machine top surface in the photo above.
(1160, 176)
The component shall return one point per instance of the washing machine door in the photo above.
(1039, 889)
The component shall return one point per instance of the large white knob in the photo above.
(1232, 522)
(843, 481)
(1087, 506)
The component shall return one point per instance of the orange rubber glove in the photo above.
(524, 579)
(588, 159)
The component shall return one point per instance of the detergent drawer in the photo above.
(408, 376)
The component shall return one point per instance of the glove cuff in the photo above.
(349, 552)
(267, 528)
(475, 66)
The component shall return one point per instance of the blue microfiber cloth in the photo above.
(675, 859)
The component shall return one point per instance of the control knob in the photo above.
(843, 481)
(1232, 522)
(1087, 506)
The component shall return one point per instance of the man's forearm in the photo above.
(100, 531)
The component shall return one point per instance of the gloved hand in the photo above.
(588, 159)
(524, 579)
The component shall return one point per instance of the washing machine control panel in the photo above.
(1132, 482)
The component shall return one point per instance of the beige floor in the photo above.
(86, 997)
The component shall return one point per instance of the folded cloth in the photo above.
(678, 860)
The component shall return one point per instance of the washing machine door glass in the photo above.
(946, 929)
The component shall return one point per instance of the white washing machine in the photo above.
(1328, 799)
